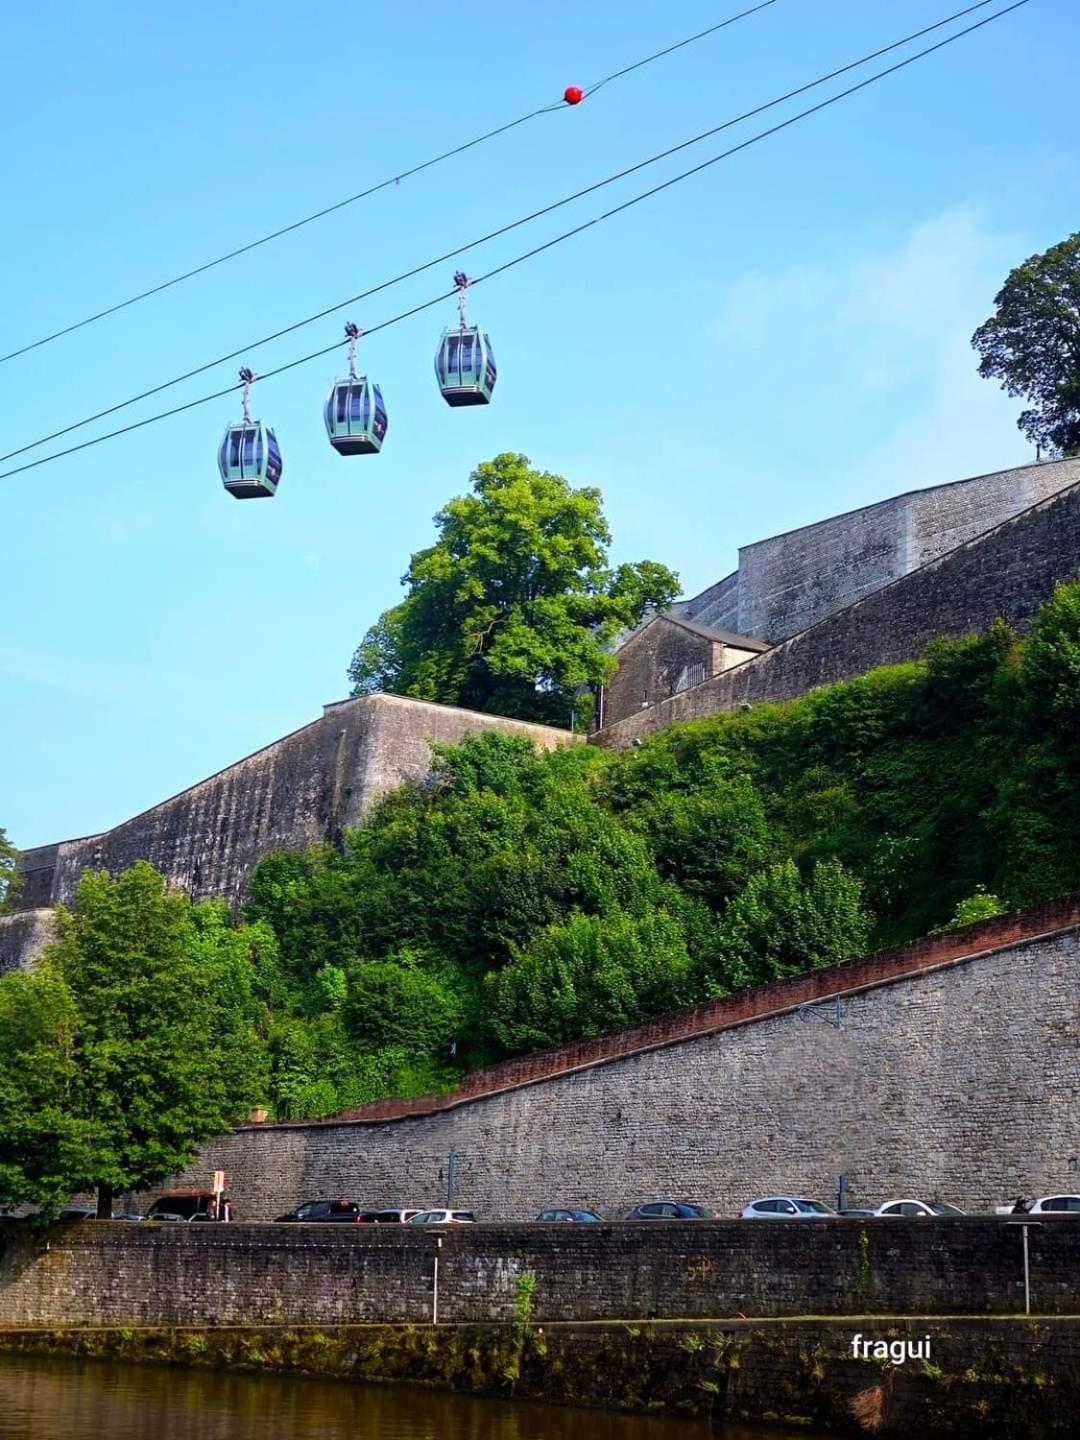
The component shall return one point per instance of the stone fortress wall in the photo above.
(954, 1074)
(1005, 572)
(790, 582)
(298, 791)
(306, 787)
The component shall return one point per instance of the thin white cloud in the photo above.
(872, 362)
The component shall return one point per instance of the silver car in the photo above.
(786, 1207)
(442, 1217)
(917, 1209)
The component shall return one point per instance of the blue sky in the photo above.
(781, 338)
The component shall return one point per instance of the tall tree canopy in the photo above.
(136, 1038)
(1032, 344)
(511, 608)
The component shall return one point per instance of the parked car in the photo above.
(918, 1209)
(89, 1212)
(580, 1216)
(669, 1210)
(1055, 1205)
(442, 1217)
(321, 1211)
(853, 1212)
(387, 1217)
(786, 1207)
(190, 1205)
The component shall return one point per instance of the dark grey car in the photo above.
(669, 1210)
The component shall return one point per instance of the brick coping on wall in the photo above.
(882, 967)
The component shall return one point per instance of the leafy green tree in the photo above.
(9, 872)
(980, 905)
(512, 607)
(1051, 665)
(1032, 344)
(1033, 818)
(402, 1004)
(43, 1139)
(712, 839)
(318, 1068)
(591, 974)
(781, 924)
(148, 1024)
(310, 1064)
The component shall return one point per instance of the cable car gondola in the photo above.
(355, 414)
(465, 361)
(249, 458)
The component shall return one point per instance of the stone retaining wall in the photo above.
(954, 1074)
(92, 1273)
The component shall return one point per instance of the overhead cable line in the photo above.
(383, 184)
(539, 249)
(250, 345)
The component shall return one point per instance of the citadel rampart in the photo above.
(789, 582)
(306, 787)
(1007, 572)
(954, 1074)
(301, 790)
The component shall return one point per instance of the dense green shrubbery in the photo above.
(522, 900)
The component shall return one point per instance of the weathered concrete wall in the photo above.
(951, 1077)
(1007, 572)
(24, 935)
(789, 582)
(338, 1274)
(302, 789)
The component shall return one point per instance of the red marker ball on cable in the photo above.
(573, 95)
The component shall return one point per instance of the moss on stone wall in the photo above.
(1001, 1380)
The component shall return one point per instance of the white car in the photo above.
(442, 1217)
(1055, 1205)
(918, 1209)
(786, 1207)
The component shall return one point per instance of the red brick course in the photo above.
(880, 968)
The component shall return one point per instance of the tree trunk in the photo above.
(104, 1202)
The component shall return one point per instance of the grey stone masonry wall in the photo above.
(718, 605)
(655, 658)
(789, 582)
(960, 1081)
(650, 663)
(300, 790)
(123, 1274)
(24, 935)
(1008, 572)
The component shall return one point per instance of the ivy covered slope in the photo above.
(522, 900)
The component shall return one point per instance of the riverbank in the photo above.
(1000, 1378)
